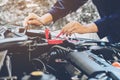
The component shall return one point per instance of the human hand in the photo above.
(32, 19)
(74, 27)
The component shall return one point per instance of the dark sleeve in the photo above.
(63, 7)
(108, 25)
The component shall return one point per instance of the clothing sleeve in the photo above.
(63, 7)
(108, 25)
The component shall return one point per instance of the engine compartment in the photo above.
(31, 56)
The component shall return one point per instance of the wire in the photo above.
(62, 48)
(44, 67)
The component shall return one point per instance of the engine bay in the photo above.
(38, 56)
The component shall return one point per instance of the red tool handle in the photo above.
(47, 33)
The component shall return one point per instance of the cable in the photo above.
(44, 67)
(62, 48)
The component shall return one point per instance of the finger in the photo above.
(65, 29)
(70, 30)
(34, 22)
(27, 27)
(32, 16)
(25, 22)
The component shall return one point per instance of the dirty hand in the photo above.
(32, 19)
(74, 27)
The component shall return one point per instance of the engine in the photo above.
(38, 56)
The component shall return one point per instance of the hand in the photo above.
(32, 19)
(73, 27)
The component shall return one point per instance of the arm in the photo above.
(105, 26)
(59, 10)
(64, 7)
(108, 25)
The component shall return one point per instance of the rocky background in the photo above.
(13, 12)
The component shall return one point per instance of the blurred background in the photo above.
(13, 12)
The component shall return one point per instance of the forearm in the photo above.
(63, 7)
